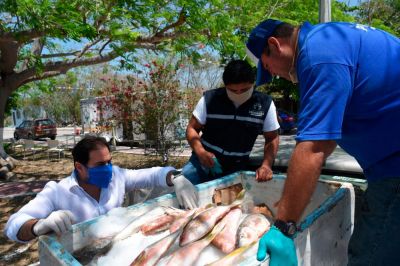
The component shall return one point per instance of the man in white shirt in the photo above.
(230, 119)
(94, 188)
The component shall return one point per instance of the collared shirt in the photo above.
(68, 195)
(349, 78)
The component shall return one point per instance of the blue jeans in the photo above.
(196, 173)
(376, 236)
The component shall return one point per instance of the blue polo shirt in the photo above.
(349, 77)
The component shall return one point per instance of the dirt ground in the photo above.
(12, 253)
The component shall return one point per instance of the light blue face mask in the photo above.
(100, 176)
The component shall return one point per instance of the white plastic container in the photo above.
(325, 227)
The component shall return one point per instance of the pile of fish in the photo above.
(188, 233)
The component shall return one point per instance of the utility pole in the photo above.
(324, 11)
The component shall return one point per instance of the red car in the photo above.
(287, 121)
(35, 129)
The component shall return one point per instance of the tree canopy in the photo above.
(45, 38)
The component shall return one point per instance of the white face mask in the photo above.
(239, 99)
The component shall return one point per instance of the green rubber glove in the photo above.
(281, 249)
(217, 168)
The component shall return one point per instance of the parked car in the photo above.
(287, 121)
(35, 129)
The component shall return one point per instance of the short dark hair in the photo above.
(238, 71)
(82, 149)
(284, 30)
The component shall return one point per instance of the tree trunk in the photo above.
(127, 129)
(4, 94)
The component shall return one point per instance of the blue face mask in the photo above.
(100, 176)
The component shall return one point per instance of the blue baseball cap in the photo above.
(255, 46)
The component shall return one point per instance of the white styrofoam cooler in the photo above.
(325, 226)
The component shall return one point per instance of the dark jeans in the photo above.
(376, 236)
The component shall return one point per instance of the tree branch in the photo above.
(21, 36)
(75, 53)
(36, 50)
(44, 76)
(59, 66)
(181, 20)
(104, 46)
(157, 39)
(8, 56)
(87, 47)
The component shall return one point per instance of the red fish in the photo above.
(252, 228)
(226, 240)
(205, 221)
(162, 222)
(189, 254)
(152, 254)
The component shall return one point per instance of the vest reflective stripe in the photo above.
(230, 132)
(228, 117)
(250, 119)
(220, 150)
(232, 117)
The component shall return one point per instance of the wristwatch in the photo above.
(288, 228)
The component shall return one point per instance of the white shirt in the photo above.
(68, 195)
(270, 122)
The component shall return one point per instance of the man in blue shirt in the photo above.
(349, 82)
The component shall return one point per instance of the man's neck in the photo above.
(294, 41)
(90, 189)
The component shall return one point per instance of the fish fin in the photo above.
(239, 199)
(234, 253)
(216, 230)
(209, 205)
(125, 235)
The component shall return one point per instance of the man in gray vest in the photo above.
(230, 119)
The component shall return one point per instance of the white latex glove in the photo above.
(58, 221)
(185, 192)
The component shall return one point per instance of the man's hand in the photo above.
(217, 168)
(185, 192)
(58, 221)
(281, 248)
(206, 158)
(264, 173)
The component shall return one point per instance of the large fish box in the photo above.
(325, 226)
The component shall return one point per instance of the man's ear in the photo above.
(79, 167)
(274, 45)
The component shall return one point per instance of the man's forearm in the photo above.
(270, 151)
(168, 179)
(303, 173)
(193, 138)
(25, 233)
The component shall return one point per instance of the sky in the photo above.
(352, 2)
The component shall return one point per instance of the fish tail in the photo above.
(140, 259)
